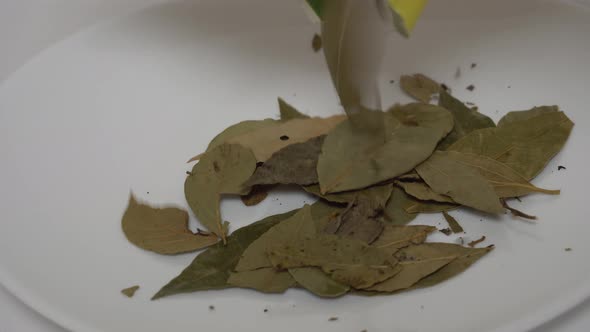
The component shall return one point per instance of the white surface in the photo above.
(160, 50)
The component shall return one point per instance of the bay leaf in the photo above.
(525, 146)
(322, 212)
(465, 258)
(394, 211)
(235, 130)
(419, 86)
(466, 119)
(256, 195)
(319, 283)
(347, 261)
(463, 184)
(506, 181)
(164, 231)
(453, 223)
(412, 272)
(394, 237)
(293, 164)
(417, 206)
(289, 112)
(353, 159)
(358, 221)
(422, 191)
(266, 280)
(130, 292)
(268, 140)
(516, 116)
(377, 193)
(299, 226)
(222, 170)
(211, 268)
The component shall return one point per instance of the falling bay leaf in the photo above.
(268, 140)
(211, 268)
(164, 231)
(319, 283)
(506, 181)
(394, 238)
(419, 86)
(453, 223)
(353, 159)
(394, 211)
(525, 146)
(222, 170)
(130, 292)
(299, 226)
(422, 191)
(289, 112)
(516, 116)
(266, 280)
(293, 164)
(466, 119)
(463, 184)
(347, 261)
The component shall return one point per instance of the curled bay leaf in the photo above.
(419, 86)
(222, 170)
(506, 181)
(422, 191)
(466, 119)
(164, 231)
(289, 112)
(463, 184)
(266, 280)
(293, 164)
(525, 146)
(211, 268)
(353, 159)
(319, 283)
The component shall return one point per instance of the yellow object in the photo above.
(406, 14)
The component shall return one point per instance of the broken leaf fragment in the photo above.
(130, 292)
(222, 170)
(164, 231)
(453, 223)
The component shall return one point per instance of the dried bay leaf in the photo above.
(211, 268)
(453, 223)
(299, 226)
(465, 258)
(422, 191)
(347, 261)
(164, 231)
(353, 159)
(466, 119)
(516, 116)
(359, 220)
(418, 206)
(268, 140)
(525, 146)
(235, 130)
(130, 292)
(319, 283)
(255, 196)
(289, 112)
(394, 238)
(419, 86)
(222, 170)
(376, 193)
(293, 164)
(394, 211)
(506, 181)
(266, 280)
(463, 184)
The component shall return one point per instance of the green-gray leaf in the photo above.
(422, 191)
(266, 280)
(319, 283)
(211, 268)
(516, 116)
(222, 170)
(395, 211)
(164, 231)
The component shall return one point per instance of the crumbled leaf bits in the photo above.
(316, 43)
(446, 231)
(212, 268)
(317, 282)
(130, 292)
(476, 242)
(419, 87)
(222, 170)
(289, 112)
(453, 223)
(164, 231)
(293, 164)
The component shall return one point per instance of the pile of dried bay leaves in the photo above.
(417, 158)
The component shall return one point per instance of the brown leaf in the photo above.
(453, 223)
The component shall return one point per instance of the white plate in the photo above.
(123, 105)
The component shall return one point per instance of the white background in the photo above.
(27, 27)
